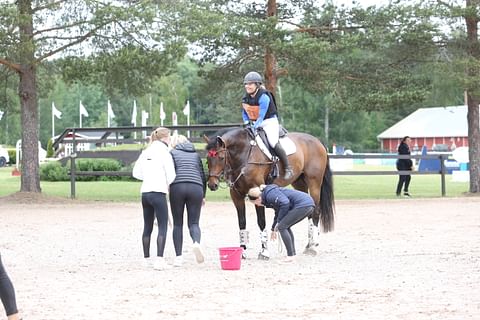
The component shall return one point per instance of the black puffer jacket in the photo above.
(404, 164)
(188, 165)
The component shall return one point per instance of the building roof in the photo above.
(430, 122)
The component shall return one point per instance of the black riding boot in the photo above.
(284, 158)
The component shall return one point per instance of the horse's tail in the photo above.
(327, 200)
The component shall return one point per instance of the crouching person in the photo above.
(290, 206)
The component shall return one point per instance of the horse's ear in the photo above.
(220, 142)
(206, 138)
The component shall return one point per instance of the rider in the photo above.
(258, 106)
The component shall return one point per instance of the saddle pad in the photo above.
(287, 144)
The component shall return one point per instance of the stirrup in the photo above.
(288, 173)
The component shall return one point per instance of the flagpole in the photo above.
(188, 119)
(186, 111)
(134, 119)
(162, 114)
(53, 123)
(108, 114)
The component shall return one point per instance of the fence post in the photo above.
(72, 175)
(72, 165)
(442, 172)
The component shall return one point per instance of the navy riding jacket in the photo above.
(282, 200)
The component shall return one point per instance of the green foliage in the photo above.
(50, 151)
(53, 171)
(12, 154)
(346, 187)
(97, 165)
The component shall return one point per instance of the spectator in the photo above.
(155, 167)
(404, 165)
(7, 294)
(187, 190)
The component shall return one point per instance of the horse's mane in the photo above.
(212, 140)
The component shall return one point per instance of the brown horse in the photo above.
(236, 156)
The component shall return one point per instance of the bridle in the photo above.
(213, 153)
(227, 168)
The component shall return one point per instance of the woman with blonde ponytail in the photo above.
(156, 169)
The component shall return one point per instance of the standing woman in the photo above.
(187, 190)
(155, 167)
(7, 294)
(404, 165)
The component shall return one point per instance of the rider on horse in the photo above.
(259, 107)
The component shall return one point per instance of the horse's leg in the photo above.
(264, 254)
(239, 203)
(312, 187)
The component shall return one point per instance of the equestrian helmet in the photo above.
(252, 76)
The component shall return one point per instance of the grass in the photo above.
(346, 187)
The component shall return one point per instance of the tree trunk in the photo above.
(471, 20)
(270, 60)
(474, 144)
(30, 181)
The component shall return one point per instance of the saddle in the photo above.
(260, 138)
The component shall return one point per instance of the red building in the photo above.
(440, 129)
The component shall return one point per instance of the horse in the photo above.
(236, 156)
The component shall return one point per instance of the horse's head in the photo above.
(219, 148)
(216, 153)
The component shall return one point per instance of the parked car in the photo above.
(4, 158)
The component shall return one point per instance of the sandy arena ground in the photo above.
(397, 259)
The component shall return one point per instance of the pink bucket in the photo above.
(231, 258)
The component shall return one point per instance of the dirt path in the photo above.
(398, 259)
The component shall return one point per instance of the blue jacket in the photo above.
(282, 200)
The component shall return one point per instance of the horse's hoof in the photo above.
(261, 256)
(310, 251)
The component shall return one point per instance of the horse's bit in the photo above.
(227, 168)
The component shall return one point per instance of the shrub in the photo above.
(53, 171)
(12, 154)
(50, 152)
(98, 165)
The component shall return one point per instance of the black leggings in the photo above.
(7, 293)
(403, 179)
(292, 217)
(191, 196)
(154, 205)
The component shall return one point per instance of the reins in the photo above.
(227, 168)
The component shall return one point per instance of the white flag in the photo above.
(163, 116)
(110, 113)
(174, 118)
(83, 111)
(56, 112)
(1, 114)
(186, 109)
(144, 118)
(134, 113)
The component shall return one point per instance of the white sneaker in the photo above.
(147, 262)
(197, 251)
(161, 264)
(178, 261)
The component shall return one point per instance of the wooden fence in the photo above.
(130, 156)
(126, 156)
